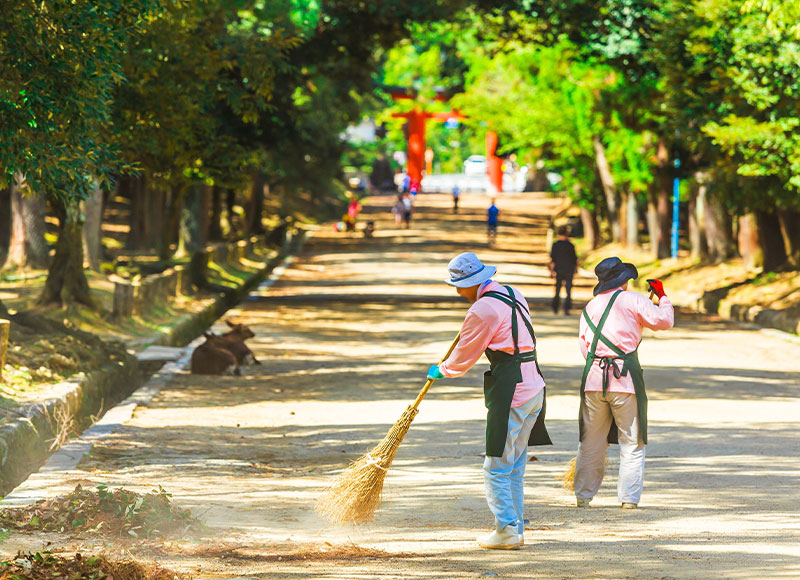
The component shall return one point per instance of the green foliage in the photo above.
(59, 65)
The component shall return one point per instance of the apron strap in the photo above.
(516, 305)
(607, 364)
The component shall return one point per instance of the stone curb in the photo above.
(24, 443)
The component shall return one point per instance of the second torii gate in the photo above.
(416, 118)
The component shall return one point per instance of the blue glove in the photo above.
(434, 373)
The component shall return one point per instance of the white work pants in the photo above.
(591, 463)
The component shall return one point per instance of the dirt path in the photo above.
(346, 337)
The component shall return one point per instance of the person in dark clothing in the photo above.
(563, 262)
(491, 222)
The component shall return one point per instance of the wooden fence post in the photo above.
(5, 326)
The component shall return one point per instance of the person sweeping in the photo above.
(499, 324)
(613, 405)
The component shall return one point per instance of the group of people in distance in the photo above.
(613, 402)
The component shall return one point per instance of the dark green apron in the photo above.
(608, 364)
(500, 382)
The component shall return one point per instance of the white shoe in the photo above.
(628, 505)
(505, 539)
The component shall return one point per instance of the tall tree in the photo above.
(59, 64)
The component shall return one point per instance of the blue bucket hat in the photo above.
(612, 273)
(467, 270)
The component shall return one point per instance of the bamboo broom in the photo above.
(568, 477)
(355, 494)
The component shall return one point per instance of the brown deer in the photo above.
(234, 342)
(213, 358)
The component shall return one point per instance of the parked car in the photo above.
(475, 165)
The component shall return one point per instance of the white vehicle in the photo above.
(475, 165)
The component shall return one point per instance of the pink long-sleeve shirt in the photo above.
(631, 313)
(488, 325)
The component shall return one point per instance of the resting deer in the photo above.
(234, 342)
(214, 358)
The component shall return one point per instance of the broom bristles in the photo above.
(568, 477)
(355, 494)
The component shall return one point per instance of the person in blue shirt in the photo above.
(456, 193)
(492, 214)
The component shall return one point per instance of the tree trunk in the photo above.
(771, 241)
(653, 226)
(230, 204)
(663, 185)
(749, 245)
(623, 215)
(172, 222)
(192, 242)
(66, 280)
(631, 221)
(215, 220)
(609, 188)
(256, 211)
(5, 222)
(133, 188)
(591, 231)
(27, 246)
(789, 222)
(718, 226)
(93, 228)
(697, 209)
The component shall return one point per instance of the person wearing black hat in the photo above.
(613, 399)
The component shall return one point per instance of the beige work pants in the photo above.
(591, 463)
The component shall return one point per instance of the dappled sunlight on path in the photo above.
(346, 337)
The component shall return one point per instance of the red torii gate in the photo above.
(416, 119)
(494, 164)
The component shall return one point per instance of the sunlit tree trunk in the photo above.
(170, 232)
(27, 246)
(591, 231)
(66, 280)
(663, 207)
(653, 226)
(697, 208)
(719, 229)
(609, 188)
(92, 227)
(629, 219)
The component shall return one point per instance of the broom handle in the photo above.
(429, 382)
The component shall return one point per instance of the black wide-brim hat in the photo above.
(612, 273)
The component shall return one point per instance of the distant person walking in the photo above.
(491, 222)
(408, 209)
(563, 262)
(456, 195)
(398, 209)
